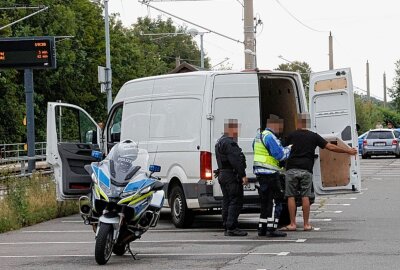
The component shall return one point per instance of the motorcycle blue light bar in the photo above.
(154, 168)
(97, 155)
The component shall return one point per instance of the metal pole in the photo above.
(248, 34)
(330, 51)
(30, 118)
(201, 51)
(108, 57)
(368, 92)
(384, 90)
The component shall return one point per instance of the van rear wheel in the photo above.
(182, 217)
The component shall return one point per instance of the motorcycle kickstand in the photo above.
(130, 251)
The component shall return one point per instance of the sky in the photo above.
(296, 30)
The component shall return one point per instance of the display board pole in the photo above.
(30, 117)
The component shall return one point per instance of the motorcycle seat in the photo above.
(158, 186)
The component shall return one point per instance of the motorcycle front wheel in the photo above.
(104, 244)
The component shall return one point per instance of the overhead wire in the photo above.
(298, 20)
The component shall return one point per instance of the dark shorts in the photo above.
(298, 181)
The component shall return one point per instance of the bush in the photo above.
(29, 201)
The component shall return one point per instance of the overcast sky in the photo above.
(362, 29)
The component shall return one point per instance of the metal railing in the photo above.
(11, 152)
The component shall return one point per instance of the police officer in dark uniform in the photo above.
(231, 177)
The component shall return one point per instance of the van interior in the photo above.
(278, 96)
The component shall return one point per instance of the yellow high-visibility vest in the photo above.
(262, 157)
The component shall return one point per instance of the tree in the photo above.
(75, 79)
(394, 92)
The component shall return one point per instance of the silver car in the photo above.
(381, 142)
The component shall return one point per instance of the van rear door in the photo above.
(72, 134)
(333, 116)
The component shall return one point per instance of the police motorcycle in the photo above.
(125, 200)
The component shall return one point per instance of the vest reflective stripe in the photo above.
(262, 157)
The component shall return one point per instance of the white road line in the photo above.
(162, 241)
(342, 198)
(72, 221)
(326, 211)
(205, 230)
(155, 254)
(320, 219)
(337, 204)
(82, 231)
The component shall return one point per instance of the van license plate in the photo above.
(249, 187)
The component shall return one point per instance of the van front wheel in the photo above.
(182, 217)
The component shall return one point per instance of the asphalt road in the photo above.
(358, 231)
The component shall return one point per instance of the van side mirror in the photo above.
(154, 168)
(358, 127)
(91, 137)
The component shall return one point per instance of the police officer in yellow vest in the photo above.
(268, 151)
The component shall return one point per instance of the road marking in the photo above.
(164, 241)
(320, 219)
(326, 211)
(71, 221)
(337, 204)
(284, 253)
(82, 231)
(342, 198)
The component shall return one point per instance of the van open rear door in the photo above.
(333, 116)
(71, 136)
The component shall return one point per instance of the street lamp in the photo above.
(194, 32)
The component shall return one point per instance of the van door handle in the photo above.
(210, 116)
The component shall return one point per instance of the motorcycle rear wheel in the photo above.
(104, 244)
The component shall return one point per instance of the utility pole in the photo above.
(330, 51)
(368, 90)
(384, 90)
(249, 62)
(108, 57)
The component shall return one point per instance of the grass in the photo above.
(29, 201)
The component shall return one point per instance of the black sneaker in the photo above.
(276, 233)
(235, 232)
(262, 232)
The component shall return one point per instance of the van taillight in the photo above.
(205, 165)
(364, 142)
(394, 142)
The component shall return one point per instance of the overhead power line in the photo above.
(298, 20)
(192, 23)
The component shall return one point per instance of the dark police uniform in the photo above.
(231, 165)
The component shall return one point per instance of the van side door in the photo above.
(236, 96)
(333, 116)
(72, 135)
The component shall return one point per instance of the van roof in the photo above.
(122, 93)
(209, 73)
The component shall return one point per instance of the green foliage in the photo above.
(394, 92)
(29, 201)
(75, 79)
(370, 113)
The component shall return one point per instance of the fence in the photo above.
(16, 150)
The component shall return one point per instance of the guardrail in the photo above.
(16, 150)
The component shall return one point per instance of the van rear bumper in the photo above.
(202, 192)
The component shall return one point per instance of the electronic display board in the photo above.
(27, 52)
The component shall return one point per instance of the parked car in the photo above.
(360, 142)
(381, 142)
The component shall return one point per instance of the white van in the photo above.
(179, 117)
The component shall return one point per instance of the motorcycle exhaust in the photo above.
(85, 208)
